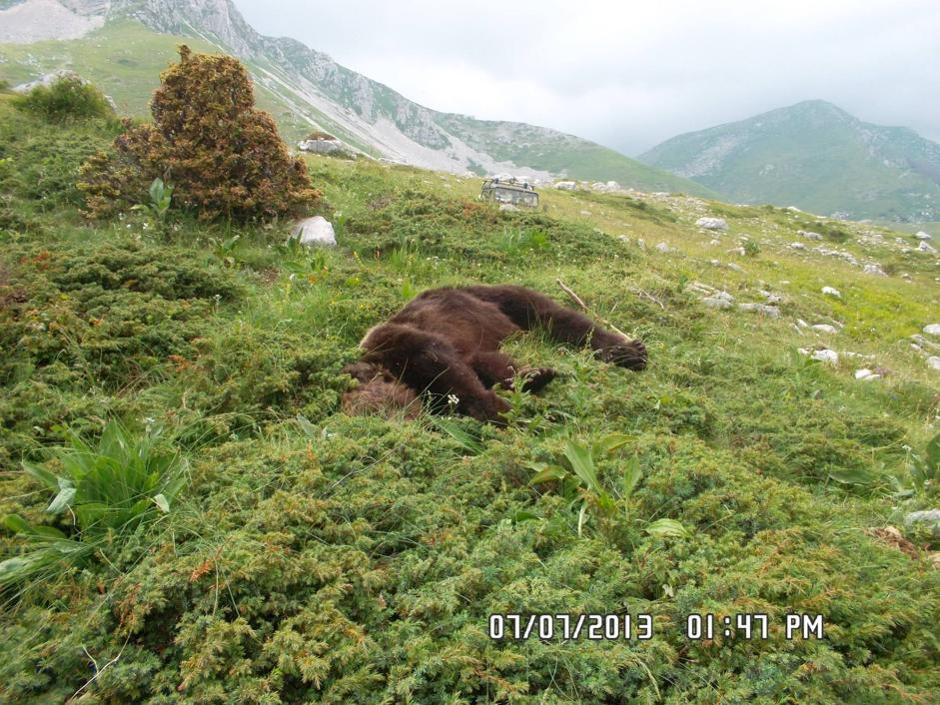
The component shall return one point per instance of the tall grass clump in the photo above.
(101, 496)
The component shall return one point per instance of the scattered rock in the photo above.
(720, 300)
(825, 328)
(735, 267)
(664, 247)
(921, 235)
(826, 355)
(933, 362)
(566, 186)
(765, 309)
(809, 234)
(930, 517)
(800, 323)
(797, 246)
(314, 231)
(875, 269)
(929, 249)
(712, 223)
(866, 375)
(932, 329)
(830, 291)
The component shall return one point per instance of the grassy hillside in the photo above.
(125, 59)
(314, 557)
(815, 156)
(559, 153)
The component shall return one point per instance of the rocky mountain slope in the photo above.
(304, 88)
(816, 156)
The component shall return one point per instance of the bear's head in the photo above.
(378, 392)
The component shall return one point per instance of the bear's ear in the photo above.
(362, 371)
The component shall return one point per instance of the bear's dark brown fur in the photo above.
(445, 344)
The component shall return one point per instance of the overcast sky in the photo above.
(631, 74)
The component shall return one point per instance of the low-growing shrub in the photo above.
(66, 98)
(224, 157)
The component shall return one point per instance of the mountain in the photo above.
(124, 44)
(816, 156)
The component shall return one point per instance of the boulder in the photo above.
(712, 223)
(932, 329)
(765, 309)
(874, 269)
(830, 291)
(923, 236)
(927, 517)
(925, 247)
(314, 231)
(933, 362)
(809, 234)
(566, 186)
(866, 375)
(826, 355)
(825, 328)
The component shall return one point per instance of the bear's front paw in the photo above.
(534, 379)
(489, 408)
(631, 355)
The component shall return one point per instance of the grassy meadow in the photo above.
(304, 556)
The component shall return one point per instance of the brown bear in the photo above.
(444, 345)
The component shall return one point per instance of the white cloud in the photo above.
(631, 74)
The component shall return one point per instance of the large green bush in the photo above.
(66, 98)
(224, 158)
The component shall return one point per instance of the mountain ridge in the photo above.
(814, 155)
(369, 116)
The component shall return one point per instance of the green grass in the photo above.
(314, 557)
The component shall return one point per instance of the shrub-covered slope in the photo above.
(313, 557)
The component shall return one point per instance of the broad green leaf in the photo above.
(933, 454)
(582, 463)
(64, 498)
(613, 441)
(667, 527)
(523, 516)
(40, 473)
(631, 476)
(856, 476)
(162, 503)
(548, 474)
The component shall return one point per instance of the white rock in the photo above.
(664, 247)
(932, 329)
(923, 236)
(924, 247)
(717, 302)
(866, 375)
(735, 267)
(764, 309)
(826, 355)
(801, 323)
(712, 223)
(315, 231)
(566, 186)
(809, 234)
(825, 328)
(933, 362)
(585, 212)
(874, 269)
(797, 246)
(830, 291)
